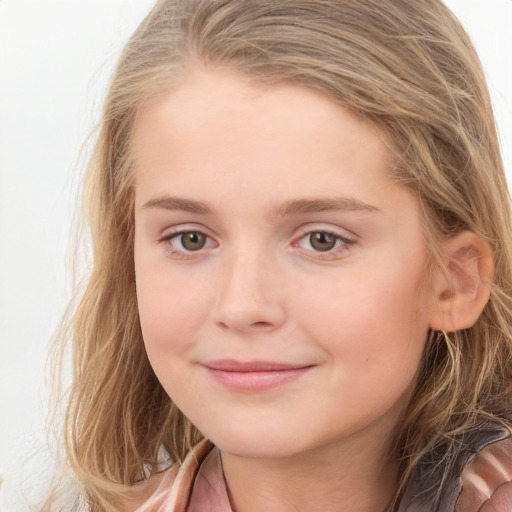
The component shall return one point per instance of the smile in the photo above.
(254, 376)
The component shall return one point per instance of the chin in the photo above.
(258, 445)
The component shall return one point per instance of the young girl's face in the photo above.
(281, 274)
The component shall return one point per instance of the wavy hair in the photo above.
(406, 66)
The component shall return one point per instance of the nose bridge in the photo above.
(249, 297)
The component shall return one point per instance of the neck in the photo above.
(359, 477)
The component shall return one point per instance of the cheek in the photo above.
(378, 318)
(374, 337)
(171, 310)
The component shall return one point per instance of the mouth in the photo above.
(254, 376)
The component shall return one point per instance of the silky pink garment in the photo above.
(485, 484)
(487, 480)
(209, 493)
(197, 485)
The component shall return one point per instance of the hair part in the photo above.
(407, 67)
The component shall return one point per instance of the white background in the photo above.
(55, 59)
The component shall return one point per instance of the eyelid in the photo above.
(347, 238)
(320, 227)
(173, 232)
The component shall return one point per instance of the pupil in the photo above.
(322, 241)
(193, 241)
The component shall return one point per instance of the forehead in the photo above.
(225, 94)
(220, 131)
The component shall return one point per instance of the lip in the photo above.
(254, 376)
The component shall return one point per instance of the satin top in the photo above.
(484, 483)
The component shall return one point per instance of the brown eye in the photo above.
(321, 241)
(192, 240)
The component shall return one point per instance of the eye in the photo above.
(189, 241)
(322, 241)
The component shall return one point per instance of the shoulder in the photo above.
(169, 490)
(473, 475)
(149, 493)
(487, 480)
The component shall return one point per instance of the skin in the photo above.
(356, 315)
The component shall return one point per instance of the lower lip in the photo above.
(258, 380)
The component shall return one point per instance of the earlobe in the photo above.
(462, 289)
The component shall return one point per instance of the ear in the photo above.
(462, 288)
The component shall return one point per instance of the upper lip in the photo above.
(229, 365)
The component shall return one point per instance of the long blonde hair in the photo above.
(406, 66)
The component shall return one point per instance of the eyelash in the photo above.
(343, 244)
(182, 253)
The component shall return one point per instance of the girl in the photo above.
(300, 291)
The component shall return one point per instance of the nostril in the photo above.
(260, 324)
(253, 325)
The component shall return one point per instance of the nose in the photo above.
(250, 297)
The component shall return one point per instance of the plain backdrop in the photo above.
(55, 60)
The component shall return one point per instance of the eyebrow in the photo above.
(314, 205)
(178, 203)
(293, 207)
